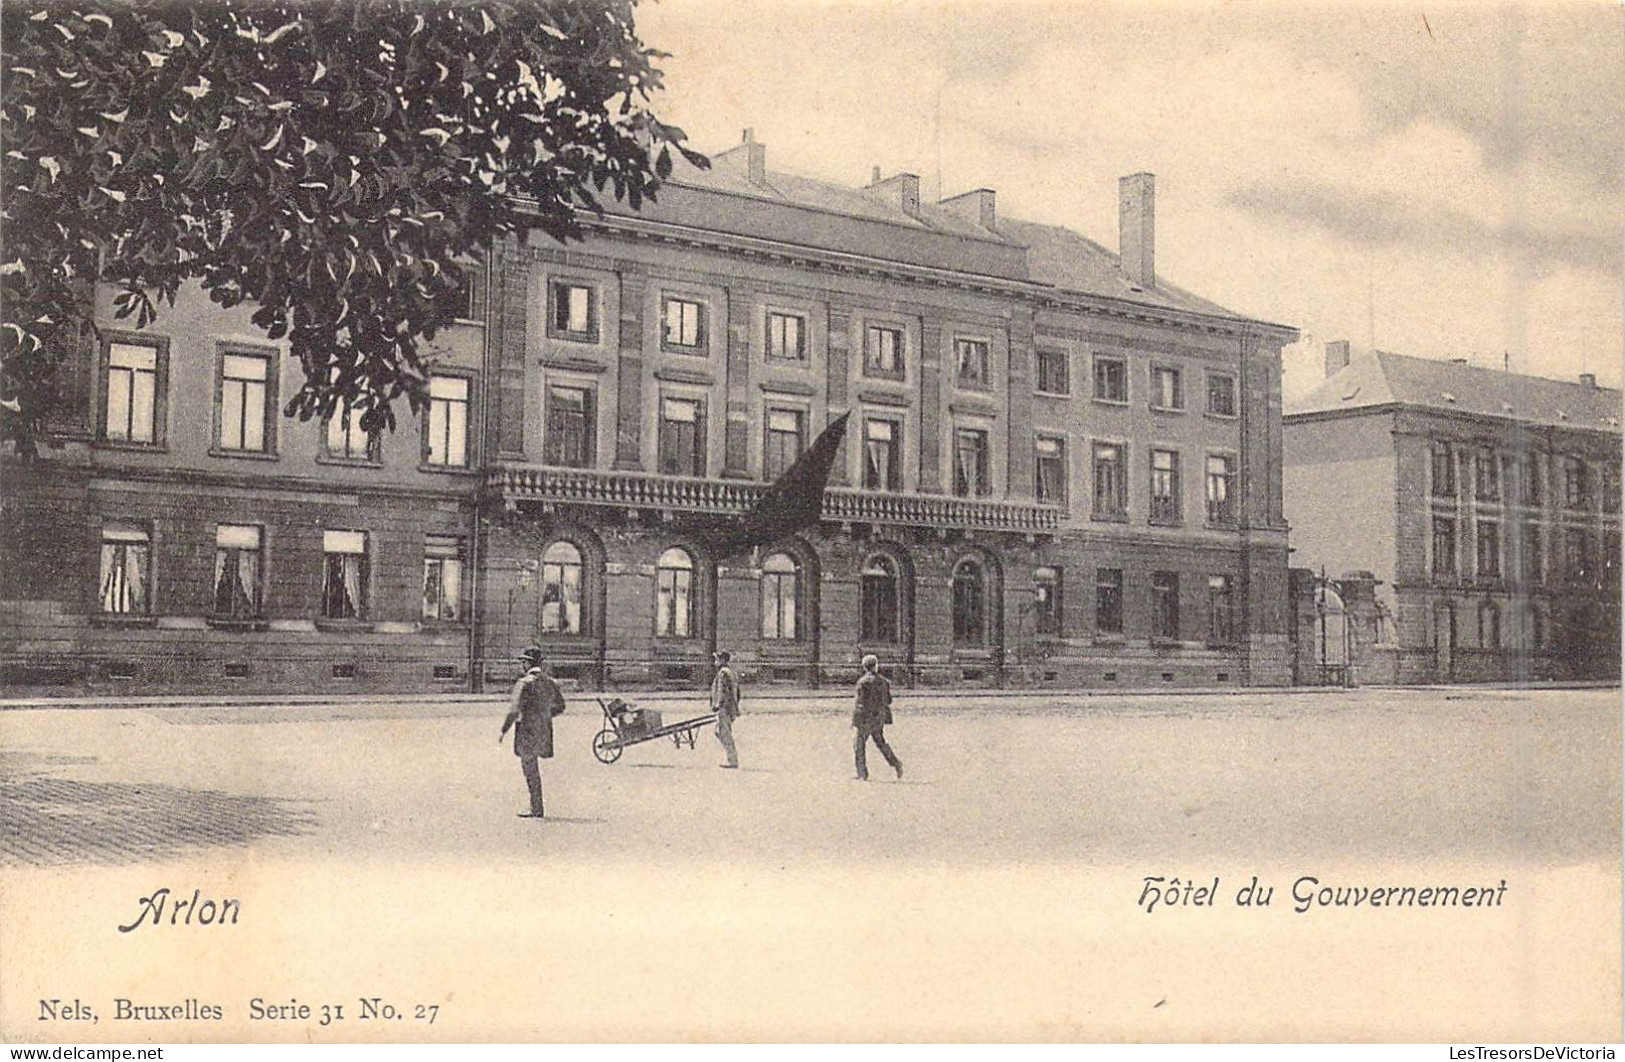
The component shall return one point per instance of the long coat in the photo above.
(536, 700)
(873, 707)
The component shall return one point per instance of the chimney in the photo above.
(978, 206)
(1136, 227)
(756, 159)
(901, 188)
(1589, 380)
(1337, 355)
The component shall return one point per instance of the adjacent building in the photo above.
(1059, 468)
(1480, 508)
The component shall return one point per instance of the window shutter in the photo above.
(700, 467)
(589, 413)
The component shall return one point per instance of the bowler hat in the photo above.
(531, 655)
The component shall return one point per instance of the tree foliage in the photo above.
(338, 164)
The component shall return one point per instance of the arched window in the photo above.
(970, 604)
(880, 604)
(781, 585)
(674, 602)
(561, 589)
(1489, 626)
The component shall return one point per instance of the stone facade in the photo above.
(630, 396)
(1483, 506)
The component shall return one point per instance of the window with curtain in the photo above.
(1444, 472)
(344, 584)
(1047, 601)
(345, 436)
(561, 589)
(971, 360)
(880, 601)
(674, 604)
(1221, 506)
(883, 352)
(1049, 472)
(1165, 486)
(1111, 379)
(1221, 610)
(786, 336)
(781, 584)
(971, 478)
(1053, 375)
(970, 604)
(237, 558)
(574, 310)
(126, 570)
(882, 467)
(1167, 389)
(1111, 481)
(442, 578)
(1165, 604)
(683, 324)
(1109, 600)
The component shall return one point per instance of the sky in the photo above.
(1441, 181)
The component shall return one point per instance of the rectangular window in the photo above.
(1489, 549)
(345, 437)
(683, 324)
(786, 336)
(244, 402)
(1444, 547)
(1111, 379)
(1486, 477)
(1576, 484)
(1221, 624)
(442, 579)
(1111, 480)
(237, 571)
(1049, 474)
(575, 310)
(1610, 488)
(1165, 492)
(971, 361)
(1054, 377)
(1534, 480)
(131, 388)
(970, 463)
(1221, 394)
(883, 352)
(1047, 601)
(448, 421)
(1165, 604)
(570, 424)
(126, 575)
(344, 578)
(1444, 473)
(1221, 502)
(882, 464)
(682, 437)
(785, 434)
(1577, 555)
(1109, 600)
(1534, 560)
(1167, 389)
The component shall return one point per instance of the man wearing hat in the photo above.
(725, 702)
(536, 700)
(870, 716)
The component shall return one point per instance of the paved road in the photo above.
(985, 891)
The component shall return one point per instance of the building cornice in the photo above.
(1044, 296)
(1462, 415)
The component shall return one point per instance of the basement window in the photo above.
(344, 671)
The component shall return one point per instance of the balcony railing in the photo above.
(639, 490)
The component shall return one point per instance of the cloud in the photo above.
(1377, 220)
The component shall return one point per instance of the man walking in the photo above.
(725, 702)
(536, 700)
(870, 716)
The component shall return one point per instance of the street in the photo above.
(993, 893)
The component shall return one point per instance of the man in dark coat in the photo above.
(870, 716)
(536, 700)
(725, 702)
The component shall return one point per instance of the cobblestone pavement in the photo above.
(47, 819)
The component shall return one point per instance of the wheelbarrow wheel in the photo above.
(604, 747)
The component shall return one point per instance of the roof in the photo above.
(1383, 379)
(1056, 256)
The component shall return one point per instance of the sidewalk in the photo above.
(758, 698)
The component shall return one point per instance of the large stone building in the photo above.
(1474, 515)
(1059, 468)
